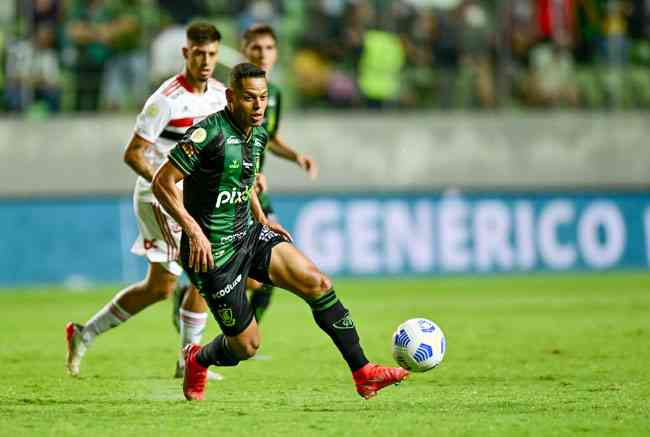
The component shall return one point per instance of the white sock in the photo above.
(192, 326)
(110, 316)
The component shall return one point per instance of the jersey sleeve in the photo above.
(154, 117)
(278, 113)
(185, 155)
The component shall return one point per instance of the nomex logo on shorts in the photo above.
(228, 288)
(234, 196)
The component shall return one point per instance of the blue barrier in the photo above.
(73, 240)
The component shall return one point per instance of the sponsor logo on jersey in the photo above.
(267, 234)
(233, 140)
(233, 237)
(199, 135)
(228, 288)
(233, 196)
(234, 165)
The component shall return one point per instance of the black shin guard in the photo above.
(217, 353)
(260, 301)
(333, 318)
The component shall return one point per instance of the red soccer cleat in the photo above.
(195, 374)
(372, 377)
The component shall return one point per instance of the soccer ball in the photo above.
(418, 345)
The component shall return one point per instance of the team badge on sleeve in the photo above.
(152, 110)
(199, 135)
(188, 149)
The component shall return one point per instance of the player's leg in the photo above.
(157, 286)
(290, 269)
(193, 317)
(260, 297)
(224, 350)
(224, 291)
(261, 293)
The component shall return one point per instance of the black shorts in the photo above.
(224, 288)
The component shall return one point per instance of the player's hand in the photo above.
(200, 251)
(309, 165)
(261, 184)
(279, 229)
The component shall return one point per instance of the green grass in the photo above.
(544, 355)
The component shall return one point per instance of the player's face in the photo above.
(262, 52)
(248, 103)
(200, 59)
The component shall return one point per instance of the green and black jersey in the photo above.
(220, 164)
(271, 124)
(273, 110)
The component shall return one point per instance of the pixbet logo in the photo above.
(228, 288)
(233, 196)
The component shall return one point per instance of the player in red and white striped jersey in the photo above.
(179, 103)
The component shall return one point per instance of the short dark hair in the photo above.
(201, 32)
(257, 30)
(243, 71)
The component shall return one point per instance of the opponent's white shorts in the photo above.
(160, 236)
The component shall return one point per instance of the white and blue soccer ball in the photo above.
(418, 345)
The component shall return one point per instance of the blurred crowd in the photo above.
(103, 55)
(477, 53)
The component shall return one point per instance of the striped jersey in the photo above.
(271, 124)
(167, 114)
(220, 163)
(272, 114)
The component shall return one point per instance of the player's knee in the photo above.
(160, 292)
(246, 349)
(315, 283)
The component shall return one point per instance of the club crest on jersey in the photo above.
(225, 314)
(233, 140)
(234, 165)
(199, 135)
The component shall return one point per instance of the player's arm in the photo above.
(279, 148)
(256, 208)
(259, 216)
(170, 197)
(134, 157)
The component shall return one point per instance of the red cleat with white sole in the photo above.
(76, 347)
(195, 376)
(372, 377)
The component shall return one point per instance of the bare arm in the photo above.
(259, 216)
(170, 197)
(257, 210)
(283, 150)
(134, 157)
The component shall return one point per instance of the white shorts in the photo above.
(160, 236)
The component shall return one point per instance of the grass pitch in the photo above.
(543, 355)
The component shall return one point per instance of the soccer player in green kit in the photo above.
(227, 238)
(259, 44)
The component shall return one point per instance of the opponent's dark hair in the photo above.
(201, 32)
(242, 71)
(257, 30)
